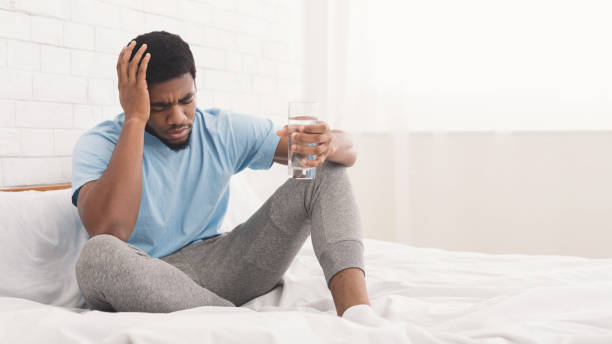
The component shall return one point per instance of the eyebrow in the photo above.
(163, 104)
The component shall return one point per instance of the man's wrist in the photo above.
(135, 121)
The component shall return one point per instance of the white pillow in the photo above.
(41, 236)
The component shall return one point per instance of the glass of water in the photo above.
(301, 113)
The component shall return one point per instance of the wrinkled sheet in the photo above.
(429, 295)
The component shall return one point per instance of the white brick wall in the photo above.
(23, 55)
(3, 50)
(37, 142)
(57, 66)
(7, 114)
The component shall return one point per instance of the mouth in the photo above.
(177, 134)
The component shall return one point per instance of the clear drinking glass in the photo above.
(301, 113)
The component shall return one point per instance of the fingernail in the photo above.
(294, 135)
(293, 147)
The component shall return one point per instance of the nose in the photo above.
(175, 117)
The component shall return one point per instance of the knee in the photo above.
(96, 253)
(331, 169)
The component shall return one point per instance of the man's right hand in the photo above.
(133, 91)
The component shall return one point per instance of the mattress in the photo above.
(428, 296)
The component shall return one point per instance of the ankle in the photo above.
(348, 289)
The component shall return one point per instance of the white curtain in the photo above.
(445, 65)
(384, 68)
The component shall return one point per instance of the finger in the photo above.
(124, 60)
(301, 149)
(142, 70)
(314, 163)
(308, 138)
(284, 131)
(309, 150)
(134, 63)
(119, 63)
(318, 128)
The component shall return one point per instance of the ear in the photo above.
(195, 94)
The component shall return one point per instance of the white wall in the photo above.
(471, 65)
(521, 192)
(399, 75)
(58, 78)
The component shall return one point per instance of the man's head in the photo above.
(171, 83)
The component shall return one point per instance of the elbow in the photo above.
(352, 157)
(119, 232)
(352, 152)
(105, 224)
(347, 158)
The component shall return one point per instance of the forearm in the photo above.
(344, 150)
(112, 204)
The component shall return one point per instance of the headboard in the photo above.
(38, 188)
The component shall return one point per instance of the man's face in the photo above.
(173, 105)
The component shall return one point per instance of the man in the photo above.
(151, 188)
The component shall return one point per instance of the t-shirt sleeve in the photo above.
(253, 141)
(90, 157)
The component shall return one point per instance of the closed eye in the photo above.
(187, 100)
(157, 107)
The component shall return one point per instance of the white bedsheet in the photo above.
(433, 296)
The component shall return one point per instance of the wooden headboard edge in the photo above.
(48, 187)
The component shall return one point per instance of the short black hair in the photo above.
(170, 56)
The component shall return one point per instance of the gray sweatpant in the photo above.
(235, 267)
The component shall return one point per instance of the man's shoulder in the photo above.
(216, 120)
(215, 115)
(224, 114)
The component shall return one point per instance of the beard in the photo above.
(174, 146)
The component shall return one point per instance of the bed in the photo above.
(428, 295)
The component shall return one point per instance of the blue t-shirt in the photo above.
(184, 193)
